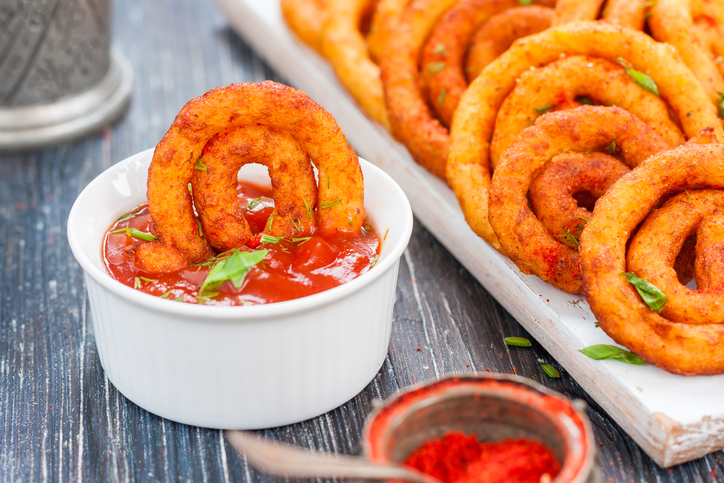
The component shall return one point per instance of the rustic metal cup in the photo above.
(59, 79)
(492, 407)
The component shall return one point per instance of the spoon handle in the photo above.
(285, 460)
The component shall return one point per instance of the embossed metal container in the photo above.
(59, 79)
(491, 406)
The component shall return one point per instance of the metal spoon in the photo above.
(286, 460)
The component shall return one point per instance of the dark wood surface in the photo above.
(61, 419)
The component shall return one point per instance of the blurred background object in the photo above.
(59, 78)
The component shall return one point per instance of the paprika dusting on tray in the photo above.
(458, 458)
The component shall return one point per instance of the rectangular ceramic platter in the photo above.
(673, 418)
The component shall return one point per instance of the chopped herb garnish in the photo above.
(517, 341)
(440, 50)
(309, 209)
(386, 232)
(374, 261)
(137, 283)
(301, 241)
(329, 204)
(550, 371)
(441, 97)
(351, 223)
(274, 240)
(366, 229)
(141, 235)
(271, 221)
(611, 148)
(148, 279)
(165, 296)
(525, 2)
(200, 166)
(641, 79)
(128, 216)
(650, 294)
(544, 109)
(436, 67)
(604, 351)
(252, 204)
(720, 104)
(597, 324)
(586, 101)
(688, 194)
(179, 299)
(570, 237)
(233, 268)
(328, 182)
(191, 191)
(296, 224)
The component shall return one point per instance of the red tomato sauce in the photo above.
(291, 269)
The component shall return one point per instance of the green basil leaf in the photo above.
(650, 294)
(550, 371)
(641, 79)
(233, 268)
(544, 109)
(604, 351)
(517, 341)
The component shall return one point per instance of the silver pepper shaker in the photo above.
(59, 78)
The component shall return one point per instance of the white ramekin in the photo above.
(238, 367)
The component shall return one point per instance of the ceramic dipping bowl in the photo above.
(491, 406)
(238, 367)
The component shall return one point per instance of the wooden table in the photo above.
(61, 419)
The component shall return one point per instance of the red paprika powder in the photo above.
(458, 458)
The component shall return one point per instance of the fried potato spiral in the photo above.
(224, 110)
(696, 29)
(523, 237)
(294, 188)
(345, 47)
(655, 246)
(498, 34)
(676, 346)
(468, 163)
(306, 18)
(561, 84)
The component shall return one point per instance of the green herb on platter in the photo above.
(517, 341)
(232, 268)
(650, 294)
(604, 351)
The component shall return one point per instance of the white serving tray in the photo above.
(673, 418)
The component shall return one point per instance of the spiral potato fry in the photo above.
(559, 84)
(678, 347)
(624, 13)
(699, 44)
(498, 33)
(306, 18)
(553, 191)
(655, 246)
(521, 234)
(229, 108)
(346, 49)
(443, 55)
(294, 188)
(468, 163)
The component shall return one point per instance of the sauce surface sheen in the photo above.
(289, 271)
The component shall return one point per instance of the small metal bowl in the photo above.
(491, 406)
